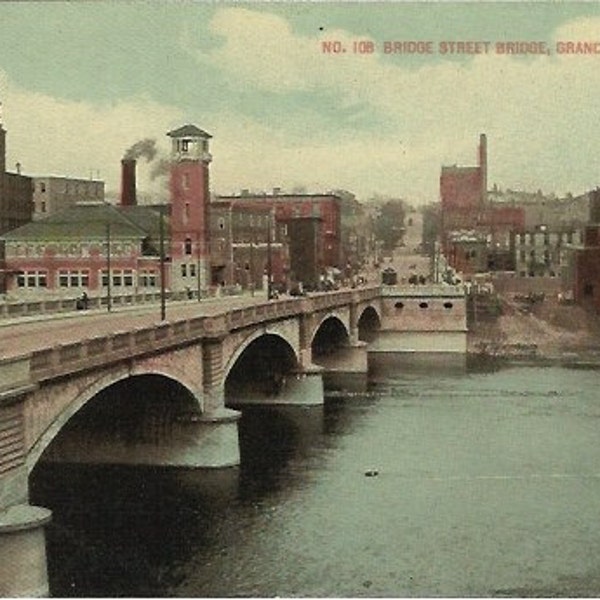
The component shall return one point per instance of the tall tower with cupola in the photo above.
(190, 197)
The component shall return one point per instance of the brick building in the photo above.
(585, 261)
(52, 194)
(543, 251)
(465, 206)
(463, 193)
(326, 207)
(16, 193)
(73, 249)
(246, 243)
(16, 202)
(189, 207)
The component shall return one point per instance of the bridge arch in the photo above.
(258, 368)
(248, 340)
(95, 390)
(330, 334)
(369, 323)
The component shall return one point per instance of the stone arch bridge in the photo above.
(166, 394)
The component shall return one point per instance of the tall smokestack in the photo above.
(128, 185)
(483, 166)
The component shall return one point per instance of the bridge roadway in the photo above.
(21, 335)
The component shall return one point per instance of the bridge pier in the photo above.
(301, 387)
(23, 570)
(195, 440)
(347, 368)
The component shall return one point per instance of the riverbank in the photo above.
(544, 331)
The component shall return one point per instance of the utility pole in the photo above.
(269, 258)
(252, 262)
(198, 282)
(163, 308)
(108, 296)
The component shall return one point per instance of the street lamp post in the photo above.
(108, 250)
(163, 307)
(269, 259)
(198, 282)
(252, 263)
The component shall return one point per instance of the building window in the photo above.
(73, 279)
(188, 246)
(42, 187)
(147, 279)
(192, 270)
(221, 223)
(118, 278)
(32, 279)
(184, 270)
(43, 206)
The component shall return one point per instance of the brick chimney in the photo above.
(483, 166)
(128, 184)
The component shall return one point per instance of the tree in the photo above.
(389, 223)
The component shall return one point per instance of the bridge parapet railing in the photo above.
(42, 360)
(432, 290)
(112, 347)
(366, 293)
(193, 328)
(87, 353)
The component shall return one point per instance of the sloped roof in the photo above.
(146, 218)
(82, 221)
(189, 130)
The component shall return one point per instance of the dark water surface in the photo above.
(488, 484)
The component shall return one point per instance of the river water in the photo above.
(483, 483)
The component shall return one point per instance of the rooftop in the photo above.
(189, 130)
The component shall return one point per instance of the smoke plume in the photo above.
(160, 168)
(143, 149)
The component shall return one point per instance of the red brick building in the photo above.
(16, 203)
(16, 193)
(586, 260)
(74, 250)
(463, 192)
(189, 207)
(465, 208)
(326, 207)
(92, 244)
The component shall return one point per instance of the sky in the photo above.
(81, 82)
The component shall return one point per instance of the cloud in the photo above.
(51, 136)
(539, 114)
(538, 111)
